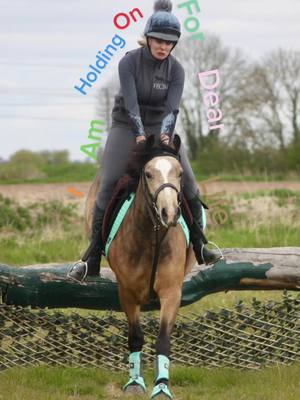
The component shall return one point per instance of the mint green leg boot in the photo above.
(136, 384)
(161, 390)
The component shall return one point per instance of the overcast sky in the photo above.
(47, 45)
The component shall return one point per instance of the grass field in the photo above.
(43, 168)
(279, 383)
(53, 231)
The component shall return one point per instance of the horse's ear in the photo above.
(177, 143)
(150, 142)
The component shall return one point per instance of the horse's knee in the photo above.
(169, 296)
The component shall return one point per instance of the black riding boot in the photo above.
(203, 255)
(89, 265)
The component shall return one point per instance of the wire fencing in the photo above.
(242, 337)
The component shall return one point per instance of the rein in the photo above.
(157, 224)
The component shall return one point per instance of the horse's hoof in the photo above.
(161, 392)
(134, 390)
(135, 386)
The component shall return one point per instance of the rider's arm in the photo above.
(173, 100)
(128, 87)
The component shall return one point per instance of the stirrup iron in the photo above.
(216, 246)
(85, 273)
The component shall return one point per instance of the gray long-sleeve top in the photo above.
(150, 92)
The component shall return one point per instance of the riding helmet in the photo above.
(163, 24)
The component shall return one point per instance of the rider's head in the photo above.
(162, 30)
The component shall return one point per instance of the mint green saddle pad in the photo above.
(122, 213)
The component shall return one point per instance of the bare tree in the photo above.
(260, 101)
(277, 78)
(273, 99)
(233, 68)
(207, 55)
(106, 97)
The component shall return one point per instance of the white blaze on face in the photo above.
(164, 167)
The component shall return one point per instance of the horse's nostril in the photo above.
(164, 214)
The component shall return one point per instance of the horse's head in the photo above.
(162, 176)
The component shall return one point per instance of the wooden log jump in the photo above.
(243, 269)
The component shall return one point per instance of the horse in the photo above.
(150, 256)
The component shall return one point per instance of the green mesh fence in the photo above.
(243, 337)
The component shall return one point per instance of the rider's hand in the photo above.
(164, 139)
(140, 139)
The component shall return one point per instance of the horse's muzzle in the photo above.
(170, 217)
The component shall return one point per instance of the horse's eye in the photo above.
(148, 175)
(180, 174)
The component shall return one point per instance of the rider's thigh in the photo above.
(118, 147)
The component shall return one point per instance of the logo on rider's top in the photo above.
(160, 86)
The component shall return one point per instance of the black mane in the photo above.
(142, 154)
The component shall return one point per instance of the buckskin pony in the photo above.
(150, 255)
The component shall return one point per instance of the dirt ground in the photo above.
(31, 193)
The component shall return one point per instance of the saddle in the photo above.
(122, 191)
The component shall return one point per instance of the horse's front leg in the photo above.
(136, 384)
(170, 302)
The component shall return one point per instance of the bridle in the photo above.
(151, 199)
(151, 203)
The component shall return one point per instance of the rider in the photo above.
(151, 89)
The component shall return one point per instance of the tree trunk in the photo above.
(296, 130)
(243, 269)
(190, 134)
